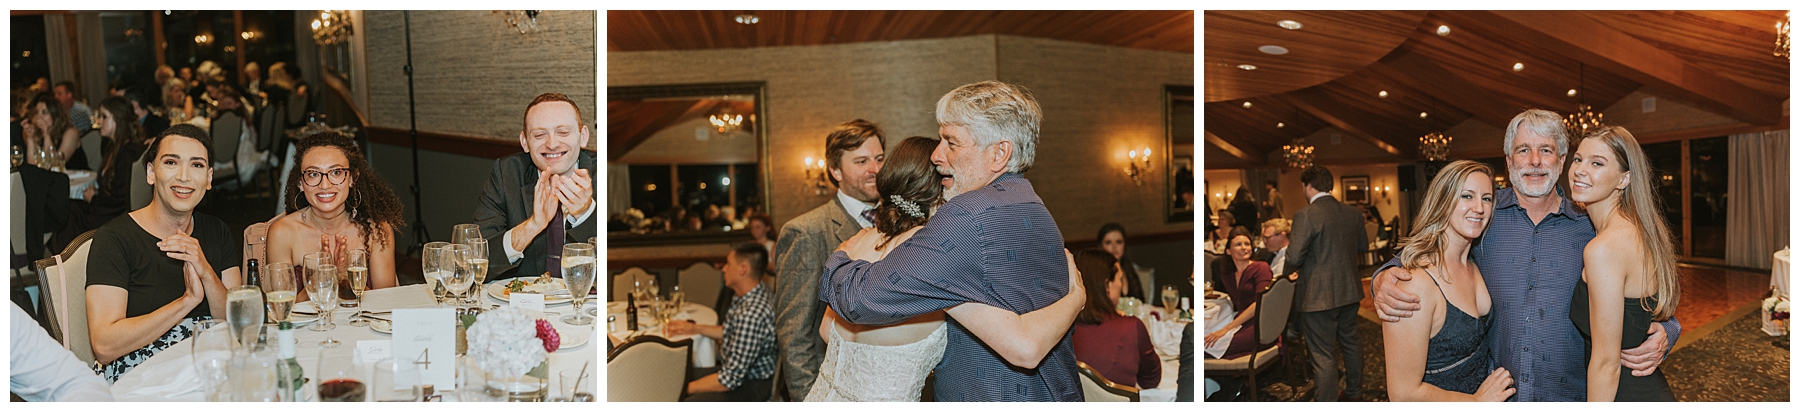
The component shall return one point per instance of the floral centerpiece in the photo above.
(1775, 315)
(513, 349)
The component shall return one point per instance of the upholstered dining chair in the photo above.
(648, 369)
(1272, 308)
(1096, 388)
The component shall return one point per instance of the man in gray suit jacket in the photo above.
(853, 153)
(540, 199)
(1326, 238)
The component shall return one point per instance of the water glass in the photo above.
(575, 385)
(279, 290)
(578, 270)
(456, 281)
(1169, 297)
(321, 284)
(212, 358)
(463, 233)
(358, 277)
(253, 372)
(244, 316)
(676, 296)
(433, 261)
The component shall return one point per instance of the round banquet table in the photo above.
(1778, 276)
(79, 181)
(170, 376)
(1218, 314)
(698, 313)
(1165, 336)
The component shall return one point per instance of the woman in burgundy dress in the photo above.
(1249, 278)
(1116, 346)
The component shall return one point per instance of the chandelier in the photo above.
(1299, 155)
(727, 122)
(332, 27)
(1435, 146)
(1584, 118)
(1782, 41)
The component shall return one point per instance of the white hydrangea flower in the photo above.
(505, 343)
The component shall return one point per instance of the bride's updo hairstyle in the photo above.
(909, 186)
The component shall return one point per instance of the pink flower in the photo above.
(548, 334)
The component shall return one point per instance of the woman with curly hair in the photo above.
(891, 361)
(337, 203)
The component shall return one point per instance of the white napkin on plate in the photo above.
(171, 378)
(1218, 348)
(1165, 335)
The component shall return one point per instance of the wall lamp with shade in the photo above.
(815, 174)
(1138, 166)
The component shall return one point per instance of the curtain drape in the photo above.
(1756, 217)
(618, 188)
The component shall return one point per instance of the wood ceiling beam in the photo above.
(1233, 149)
(1420, 73)
(1589, 41)
(1304, 100)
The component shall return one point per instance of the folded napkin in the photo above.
(1218, 348)
(1166, 337)
(168, 379)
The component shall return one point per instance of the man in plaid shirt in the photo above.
(748, 333)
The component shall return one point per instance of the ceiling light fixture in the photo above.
(1273, 50)
(1279, 125)
(1571, 92)
(1424, 115)
(1383, 94)
(1298, 155)
(1584, 118)
(1443, 30)
(1246, 105)
(1434, 146)
(1289, 24)
(1782, 40)
(1518, 67)
(1247, 67)
(747, 18)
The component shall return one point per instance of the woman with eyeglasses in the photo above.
(337, 203)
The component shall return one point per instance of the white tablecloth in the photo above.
(698, 313)
(170, 362)
(1778, 277)
(1218, 314)
(1165, 336)
(80, 180)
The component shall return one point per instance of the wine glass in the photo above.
(578, 270)
(244, 315)
(433, 261)
(340, 380)
(652, 288)
(1169, 297)
(676, 296)
(212, 357)
(321, 283)
(279, 290)
(253, 371)
(461, 234)
(478, 269)
(358, 277)
(456, 283)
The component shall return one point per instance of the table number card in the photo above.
(426, 339)
(528, 301)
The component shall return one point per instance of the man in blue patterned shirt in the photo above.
(748, 334)
(993, 243)
(1531, 257)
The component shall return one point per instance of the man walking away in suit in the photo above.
(853, 155)
(1327, 236)
(540, 199)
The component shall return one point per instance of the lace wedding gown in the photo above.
(860, 372)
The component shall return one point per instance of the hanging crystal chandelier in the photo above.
(727, 122)
(1435, 146)
(1299, 155)
(1782, 41)
(1584, 118)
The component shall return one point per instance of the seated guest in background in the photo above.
(247, 159)
(1115, 345)
(1243, 207)
(111, 195)
(337, 203)
(748, 334)
(542, 198)
(153, 273)
(1137, 280)
(253, 88)
(49, 128)
(1220, 269)
(175, 102)
(143, 99)
(761, 230)
(79, 113)
(163, 74)
(1275, 241)
(1245, 279)
(1222, 233)
(1371, 222)
(117, 89)
(44, 371)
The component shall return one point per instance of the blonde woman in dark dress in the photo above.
(1630, 280)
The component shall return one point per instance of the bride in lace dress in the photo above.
(889, 363)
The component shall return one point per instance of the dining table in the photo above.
(170, 375)
(80, 181)
(1165, 330)
(704, 353)
(1778, 273)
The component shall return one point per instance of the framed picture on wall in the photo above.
(1356, 189)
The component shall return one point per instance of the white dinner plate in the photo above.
(381, 326)
(497, 289)
(299, 319)
(572, 335)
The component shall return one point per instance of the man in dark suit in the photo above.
(540, 199)
(853, 155)
(1326, 239)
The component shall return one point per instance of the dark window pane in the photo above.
(1709, 160)
(130, 52)
(29, 60)
(1665, 160)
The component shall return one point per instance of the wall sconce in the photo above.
(1138, 166)
(815, 173)
(202, 39)
(1383, 192)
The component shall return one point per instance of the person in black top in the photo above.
(143, 98)
(111, 195)
(154, 272)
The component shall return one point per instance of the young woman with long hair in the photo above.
(111, 194)
(337, 203)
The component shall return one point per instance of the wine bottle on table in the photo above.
(251, 277)
(289, 377)
(631, 315)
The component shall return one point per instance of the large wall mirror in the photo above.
(1179, 104)
(684, 162)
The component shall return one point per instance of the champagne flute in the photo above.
(478, 267)
(280, 290)
(358, 275)
(578, 270)
(244, 316)
(676, 296)
(432, 260)
(461, 234)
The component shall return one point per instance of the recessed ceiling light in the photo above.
(1424, 115)
(1443, 30)
(1246, 105)
(1518, 66)
(1247, 66)
(1571, 92)
(1383, 94)
(1289, 24)
(1273, 49)
(748, 19)
(1279, 125)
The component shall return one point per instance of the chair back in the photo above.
(700, 283)
(1273, 306)
(296, 108)
(1096, 388)
(140, 192)
(91, 145)
(18, 214)
(621, 284)
(265, 127)
(63, 280)
(256, 242)
(226, 130)
(648, 369)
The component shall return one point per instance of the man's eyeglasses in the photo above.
(312, 177)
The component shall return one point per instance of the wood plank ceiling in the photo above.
(1338, 62)
(1171, 31)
